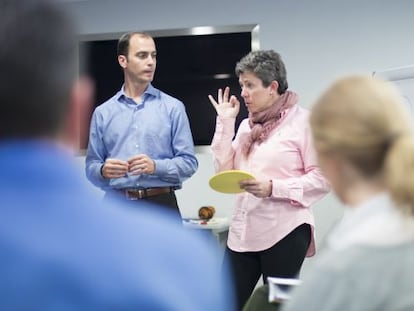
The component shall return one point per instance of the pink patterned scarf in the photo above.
(263, 122)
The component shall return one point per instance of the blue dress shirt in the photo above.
(62, 248)
(157, 126)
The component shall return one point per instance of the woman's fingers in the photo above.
(223, 99)
(226, 94)
(220, 96)
(212, 100)
(234, 101)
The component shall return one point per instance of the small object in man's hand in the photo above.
(206, 212)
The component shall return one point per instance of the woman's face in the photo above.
(255, 95)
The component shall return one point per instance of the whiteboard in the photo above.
(403, 78)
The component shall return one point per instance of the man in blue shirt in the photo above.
(140, 142)
(61, 247)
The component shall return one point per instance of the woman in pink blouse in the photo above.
(272, 228)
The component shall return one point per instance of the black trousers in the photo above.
(284, 259)
(166, 201)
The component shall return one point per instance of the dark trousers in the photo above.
(284, 259)
(166, 201)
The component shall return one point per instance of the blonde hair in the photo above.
(363, 120)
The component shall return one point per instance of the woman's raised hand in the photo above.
(226, 107)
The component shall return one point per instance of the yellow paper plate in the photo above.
(228, 181)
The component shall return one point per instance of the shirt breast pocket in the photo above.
(158, 143)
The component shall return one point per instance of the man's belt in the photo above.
(142, 193)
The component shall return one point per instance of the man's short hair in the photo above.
(123, 42)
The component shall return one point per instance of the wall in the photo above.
(319, 40)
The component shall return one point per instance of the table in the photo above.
(218, 226)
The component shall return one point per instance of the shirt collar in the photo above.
(374, 222)
(149, 92)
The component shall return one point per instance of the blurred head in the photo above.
(38, 68)
(262, 78)
(137, 55)
(360, 122)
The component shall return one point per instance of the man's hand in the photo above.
(114, 168)
(141, 164)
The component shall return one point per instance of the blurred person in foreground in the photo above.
(365, 145)
(61, 247)
(272, 227)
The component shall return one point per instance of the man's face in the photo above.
(141, 60)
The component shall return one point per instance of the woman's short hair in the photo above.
(267, 66)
